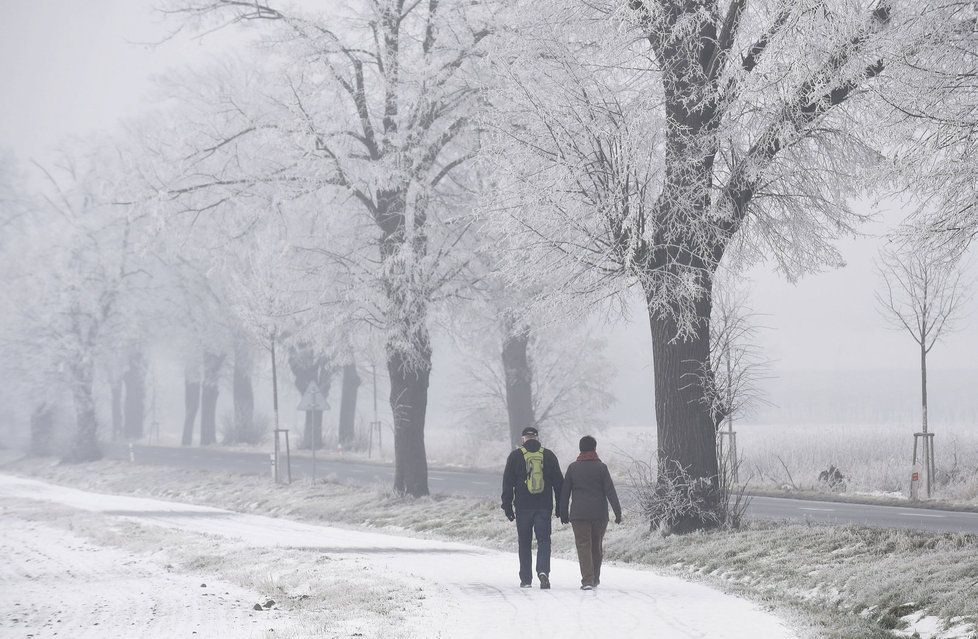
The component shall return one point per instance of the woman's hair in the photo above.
(588, 444)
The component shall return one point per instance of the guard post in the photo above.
(312, 401)
(278, 453)
(727, 453)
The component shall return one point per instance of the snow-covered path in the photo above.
(468, 591)
(55, 584)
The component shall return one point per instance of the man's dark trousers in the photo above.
(528, 524)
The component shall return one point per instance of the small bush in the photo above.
(676, 502)
(833, 479)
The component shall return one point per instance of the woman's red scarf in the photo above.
(588, 456)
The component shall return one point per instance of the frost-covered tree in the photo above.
(930, 125)
(29, 366)
(371, 100)
(568, 376)
(642, 140)
(922, 292)
(79, 268)
(737, 362)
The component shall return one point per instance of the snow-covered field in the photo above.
(134, 567)
(874, 458)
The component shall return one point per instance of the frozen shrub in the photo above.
(833, 479)
(669, 499)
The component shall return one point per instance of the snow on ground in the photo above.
(462, 591)
(55, 584)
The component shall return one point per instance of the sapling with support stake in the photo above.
(923, 291)
(732, 381)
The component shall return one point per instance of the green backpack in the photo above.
(534, 470)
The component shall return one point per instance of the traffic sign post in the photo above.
(313, 400)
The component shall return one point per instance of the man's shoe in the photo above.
(522, 585)
(587, 587)
(544, 581)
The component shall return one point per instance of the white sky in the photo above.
(71, 67)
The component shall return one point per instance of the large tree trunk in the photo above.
(191, 403)
(409, 350)
(210, 389)
(685, 427)
(348, 405)
(84, 446)
(409, 402)
(244, 394)
(518, 376)
(117, 414)
(42, 428)
(135, 380)
(308, 366)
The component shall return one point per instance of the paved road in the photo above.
(479, 484)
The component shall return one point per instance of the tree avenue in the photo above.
(374, 104)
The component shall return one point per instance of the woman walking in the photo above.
(584, 499)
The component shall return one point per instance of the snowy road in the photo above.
(466, 591)
(480, 484)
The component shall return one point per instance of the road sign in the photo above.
(313, 398)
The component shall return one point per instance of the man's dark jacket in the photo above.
(514, 481)
(590, 482)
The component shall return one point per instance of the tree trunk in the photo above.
(85, 445)
(209, 391)
(42, 427)
(135, 380)
(409, 403)
(348, 405)
(312, 431)
(923, 388)
(308, 366)
(518, 376)
(191, 402)
(685, 426)
(117, 415)
(244, 394)
(403, 245)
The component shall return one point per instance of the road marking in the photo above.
(437, 478)
(922, 515)
(824, 510)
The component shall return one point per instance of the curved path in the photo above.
(468, 591)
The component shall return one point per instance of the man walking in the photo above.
(587, 491)
(532, 480)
